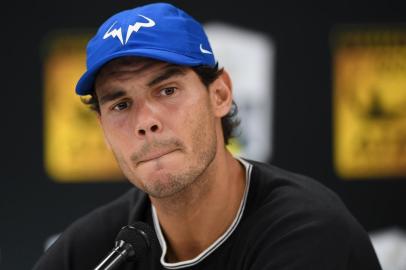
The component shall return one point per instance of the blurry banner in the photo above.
(249, 57)
(369, 99)
(74, 146)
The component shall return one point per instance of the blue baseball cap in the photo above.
(158, 31)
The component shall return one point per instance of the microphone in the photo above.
(132, 242)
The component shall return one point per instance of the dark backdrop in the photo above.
(32, 206)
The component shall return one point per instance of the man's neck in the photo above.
(193, 219)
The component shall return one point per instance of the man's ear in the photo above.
(221, 94)
(106, 141)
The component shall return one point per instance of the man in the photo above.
(167, 113)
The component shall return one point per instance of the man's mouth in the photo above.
(155, 155)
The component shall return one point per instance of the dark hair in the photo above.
(207, 75)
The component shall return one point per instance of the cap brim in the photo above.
(85, 84)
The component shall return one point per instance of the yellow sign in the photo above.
(370, 104)
(74, 146)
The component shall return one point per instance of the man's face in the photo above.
(158, 120)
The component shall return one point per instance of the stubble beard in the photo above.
(173, 184)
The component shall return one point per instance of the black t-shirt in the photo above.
(286, 221)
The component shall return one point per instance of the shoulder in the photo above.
(282, 190)
(291, 215)
(282, 203)
(90, 237)
(112, 215)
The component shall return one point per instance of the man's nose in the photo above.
(150, 127)
(148, 122)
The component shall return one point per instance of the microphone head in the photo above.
(140, 236)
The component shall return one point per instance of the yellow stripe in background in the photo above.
(74, 146)
(370, 104)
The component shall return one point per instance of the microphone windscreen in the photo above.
(140, 236)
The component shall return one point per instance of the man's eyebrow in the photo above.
(111, 96)
(169, 72)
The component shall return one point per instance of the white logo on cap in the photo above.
(131, 28)
(204, 50)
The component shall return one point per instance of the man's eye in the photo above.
(168, 91)
(120, 106)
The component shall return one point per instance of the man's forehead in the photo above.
(129, 64)
(125, 68)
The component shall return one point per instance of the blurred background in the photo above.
(321, 88)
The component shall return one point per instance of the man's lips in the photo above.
(155, 155)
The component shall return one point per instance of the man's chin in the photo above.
(163, 188)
